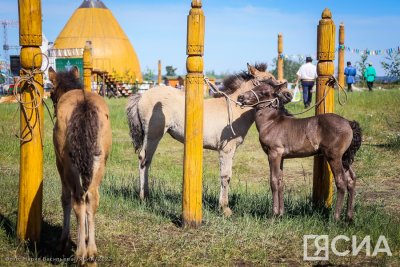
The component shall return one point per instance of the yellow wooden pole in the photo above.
(159, 73)
(280, 58)
(87, 66)
(341, 55)
(193, 161)
(31, 148)
(322, 181)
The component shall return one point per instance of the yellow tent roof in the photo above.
(111, 48)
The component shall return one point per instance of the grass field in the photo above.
(131, 233)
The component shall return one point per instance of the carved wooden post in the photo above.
(87, 66)
(193, 162)
(159, 73)
(280, 57)
(341, 55)
(31, 149)
(322, 182)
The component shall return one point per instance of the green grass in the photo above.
(131, 233)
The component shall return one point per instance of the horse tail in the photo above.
(82, 134)
(348, 156)
(134, 121)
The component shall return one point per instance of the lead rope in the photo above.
(27, 81)
(332, 81)
(215, 90)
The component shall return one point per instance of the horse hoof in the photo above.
(80, 256)
(63, 246)
(91, 263)
(92, 253)
(349, 219)
(227, 212)
(143, 196)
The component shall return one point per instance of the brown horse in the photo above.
(282, 136)
(161, 110)
(82, 142)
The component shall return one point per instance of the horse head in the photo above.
(259, 73)
(63, 82)
(269, 90)
(241, 82)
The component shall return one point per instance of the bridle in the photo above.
(214, 89)
(274, 102)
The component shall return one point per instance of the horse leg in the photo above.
(275, 160)
(351, 188)
(225, 161)
(280, 190)
(92, 203)
(145, 158)
(143, 175)
(66, 206)
(79, 206)
(339, 175)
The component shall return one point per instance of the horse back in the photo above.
(82, 133)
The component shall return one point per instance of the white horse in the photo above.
(162, 109)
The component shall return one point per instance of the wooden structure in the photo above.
(193, 161)
(323, 178)
(280, 57)
(159, 77)
(174, 81)
(341, 55)
(32, 123)
(87, 66)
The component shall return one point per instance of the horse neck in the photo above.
(266, 115)
(246, 86)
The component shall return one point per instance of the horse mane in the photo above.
(233, 82)
(66, 81)
(283, 111)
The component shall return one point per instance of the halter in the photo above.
(274, 102)
(214, 89)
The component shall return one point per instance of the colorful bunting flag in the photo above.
(351, 50)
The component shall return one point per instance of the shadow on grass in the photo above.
(46, 248)
(167, 203)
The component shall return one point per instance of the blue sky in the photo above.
(237, 31)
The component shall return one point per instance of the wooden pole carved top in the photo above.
(341, 33)
(195, 31)
(87, 55)
(280, 43)
(326, 37)
(30, 23)
(326, 14)
(196, 4)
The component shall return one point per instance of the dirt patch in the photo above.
(386, 193)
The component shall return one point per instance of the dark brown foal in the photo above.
(282, 136)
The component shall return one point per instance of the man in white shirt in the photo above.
(307, 74)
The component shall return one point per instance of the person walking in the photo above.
(350, 73)
(307, 74)
(369, 76)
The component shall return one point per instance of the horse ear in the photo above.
(283, 84)
(252, 70)
(52, 75)
(75, 71)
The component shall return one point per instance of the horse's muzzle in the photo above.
(287, 96)
(240, 99)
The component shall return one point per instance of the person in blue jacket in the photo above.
(350, 73)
